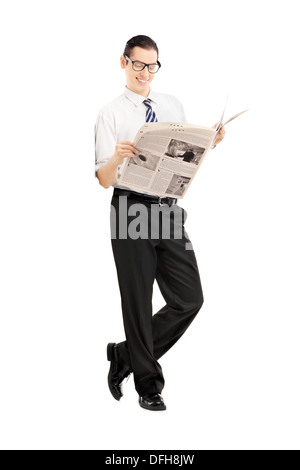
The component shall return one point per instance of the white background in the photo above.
(232, 381)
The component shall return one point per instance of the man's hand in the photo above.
(108, 173)
(123, 149)
(221, 134)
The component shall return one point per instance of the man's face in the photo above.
(139, 82)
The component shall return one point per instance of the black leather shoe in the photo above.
(117, 373)
(152, 401)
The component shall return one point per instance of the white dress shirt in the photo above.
(124, 116)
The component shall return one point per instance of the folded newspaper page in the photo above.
(170, 154)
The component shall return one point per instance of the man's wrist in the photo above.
(113, 162)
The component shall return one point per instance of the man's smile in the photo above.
(141, 81)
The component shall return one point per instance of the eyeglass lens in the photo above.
(138, 66)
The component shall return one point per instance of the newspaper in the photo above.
(170, 154)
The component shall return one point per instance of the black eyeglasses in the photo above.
(138, 66)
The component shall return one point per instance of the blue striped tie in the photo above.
(150, 114)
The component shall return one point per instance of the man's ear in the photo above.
(123, 62)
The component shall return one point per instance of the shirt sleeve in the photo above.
(105, 141)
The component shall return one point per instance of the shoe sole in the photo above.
(110, 356)
(110, 351)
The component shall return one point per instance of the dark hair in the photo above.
(140, 41)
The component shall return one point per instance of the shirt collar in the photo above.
(138, 99)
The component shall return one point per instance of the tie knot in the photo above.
(147, 102)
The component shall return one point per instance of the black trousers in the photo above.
(166, 257)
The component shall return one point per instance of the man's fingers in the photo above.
(127, 144)
(125, 148)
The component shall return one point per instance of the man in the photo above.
(139, 261)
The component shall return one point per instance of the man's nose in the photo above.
(145, 73)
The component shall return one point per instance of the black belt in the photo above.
(145, 197)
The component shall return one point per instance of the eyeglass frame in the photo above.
(153, 63)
